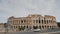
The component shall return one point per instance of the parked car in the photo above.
(36, 30)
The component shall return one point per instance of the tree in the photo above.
(58, 24)
(21, 28)
(5, 26)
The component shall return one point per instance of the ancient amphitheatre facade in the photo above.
(32, 21)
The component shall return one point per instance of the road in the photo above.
(30, 32)
(54, 31)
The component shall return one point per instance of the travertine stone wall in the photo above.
(32, 22)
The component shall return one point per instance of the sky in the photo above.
(21, 8)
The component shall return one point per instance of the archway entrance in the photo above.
(35, 27)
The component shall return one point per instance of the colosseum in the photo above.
(32, 21)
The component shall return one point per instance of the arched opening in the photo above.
(43, 27)
(39, 27)
(35, 27)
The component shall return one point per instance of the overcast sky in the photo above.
(21, 8)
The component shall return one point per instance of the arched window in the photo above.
(36, 21)
(33, 21)
(21, 21)
(42, 21)
(24, 21)
(45, 21)
(43, 27)
(35, 27)
(40, 27)
(47, 26)
(39, 21)
(50, 26)
(49, 21)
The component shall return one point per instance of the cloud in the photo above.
(20, 8)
